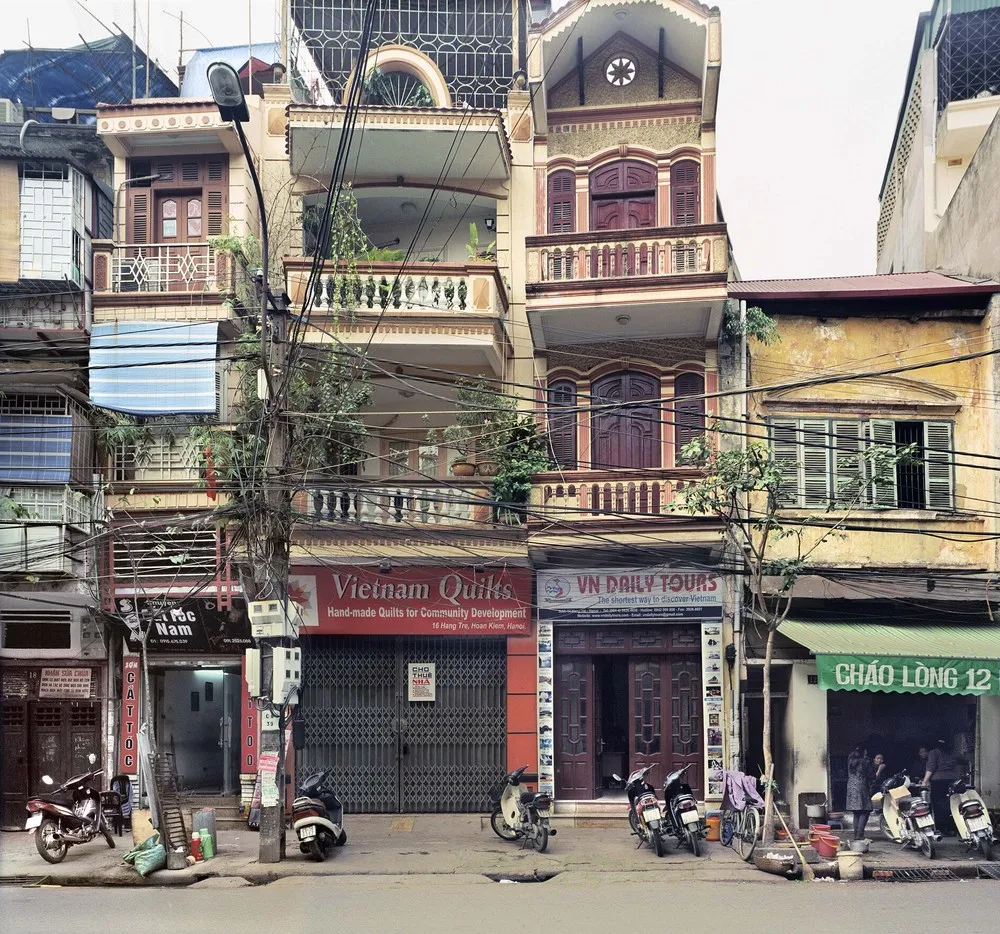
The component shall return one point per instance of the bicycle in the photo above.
(741, 830)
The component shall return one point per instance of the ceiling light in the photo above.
(621, 14)
(623, 319)
(408, 208)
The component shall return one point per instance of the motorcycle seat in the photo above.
(904, 804)
(63, 798)
(299, 803)
(527, 797)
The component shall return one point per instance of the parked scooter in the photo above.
(907, 818)
(318, 816)
(645, 816)
(971, 817)
(685, 822)
(516, 814)
(71, 814)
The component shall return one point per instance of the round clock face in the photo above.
(620, 71)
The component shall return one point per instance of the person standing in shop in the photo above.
(942, 770)
(860, 774)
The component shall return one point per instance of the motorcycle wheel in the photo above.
(927, 846)
(633, 822)
(500, 826)
(48, 849)
(342, 839)
(541, 838)
(986, 846)
(694, 842)
(658, 845)
(884, 827)
(110, 839)
(316, 849)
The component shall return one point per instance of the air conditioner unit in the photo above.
(10, 112)
(286, 674)
(274, 619)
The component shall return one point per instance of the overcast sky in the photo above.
(810, 94)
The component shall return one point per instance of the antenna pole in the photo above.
(134, 25)
(148, 40)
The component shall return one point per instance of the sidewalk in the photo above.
(434, 844)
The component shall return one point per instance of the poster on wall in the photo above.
(546, 771)
(711, 680)
(629, 595)
(421, 681)
(65, 682)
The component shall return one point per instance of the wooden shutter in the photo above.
(562, 202)
(815, 465)
(881, 436)
(562, 424)
(848, 476)
(685, 193)
(785, 452)
(138, 215)
(939, 466)
(689, 414)
(216, 196)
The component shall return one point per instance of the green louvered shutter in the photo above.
(881, 435)
(785, 451)
(847, 472)
(815, 466)
(939, 466)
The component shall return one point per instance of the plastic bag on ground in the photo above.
(148, 856)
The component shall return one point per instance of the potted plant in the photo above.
(524, 453)
(472, 247)
(482, 419)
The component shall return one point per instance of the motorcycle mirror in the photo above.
(91, 758)
(47, 780)
(616, 776)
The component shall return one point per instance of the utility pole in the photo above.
(269, 522)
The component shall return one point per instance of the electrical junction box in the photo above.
(286, 674)
(252, 671)
(274, 619)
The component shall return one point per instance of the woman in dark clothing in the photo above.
(860, 774)
(880, 771)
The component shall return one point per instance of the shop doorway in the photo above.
(390, 754)
(624, 706)
(896, 725)
(197, 720)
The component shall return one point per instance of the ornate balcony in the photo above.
(157, 267)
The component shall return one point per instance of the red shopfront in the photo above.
(419, 685)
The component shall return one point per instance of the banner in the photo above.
(908, 675)
(413, 601)
(194, 625)
(629, 595)
(128, 739)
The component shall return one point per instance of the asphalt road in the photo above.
(443, 904)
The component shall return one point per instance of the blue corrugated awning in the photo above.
(154, 367)
(35, 448)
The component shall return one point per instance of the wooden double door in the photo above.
(617, 712)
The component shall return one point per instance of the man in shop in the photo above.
(919, 766)
(942, 770)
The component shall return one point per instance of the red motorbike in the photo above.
(71, 814)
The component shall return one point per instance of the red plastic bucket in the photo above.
(826, 844)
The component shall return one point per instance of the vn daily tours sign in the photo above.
(629, 594)
(908, 675)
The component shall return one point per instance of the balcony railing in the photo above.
(647, 253)
(602, 498)
(48, 505)
(158, 267)
(451, 288)
(404, 504)
(39, 549)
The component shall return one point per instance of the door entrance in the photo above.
(623, 706)
(390, 754)
(197, 720)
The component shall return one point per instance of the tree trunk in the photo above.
(768, 756)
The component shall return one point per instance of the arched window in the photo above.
(689, 414)
(562, 202)
(685, 193)
(396, 89)
(626, 436)
(623, 196)
(562, 423)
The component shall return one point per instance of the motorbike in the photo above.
(71, 814)
(971, 817)
(318, 816)
(645, 816)
(906, 818)
(685, 822)
(520, 815)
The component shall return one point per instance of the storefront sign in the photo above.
(64, 682)
(128, 741)
(421, 681)
(908, 675)
(629, 594)
(185, 625)
(249, 736)
(413, 601)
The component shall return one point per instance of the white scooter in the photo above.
(971, 817)
(906, 817)
(318, 816)
(517, 814)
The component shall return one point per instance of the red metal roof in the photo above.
(891, 285)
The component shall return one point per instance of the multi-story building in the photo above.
(53, 650)
(890, 642)
(950, 99)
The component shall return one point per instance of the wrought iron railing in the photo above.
(160, 267)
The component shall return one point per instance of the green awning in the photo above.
(902, 659)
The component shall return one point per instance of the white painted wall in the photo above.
(988, 742)
(805, 737)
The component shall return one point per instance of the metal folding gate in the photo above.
(390, 754)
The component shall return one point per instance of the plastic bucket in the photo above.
(851, 865)
(714, 824)
(826, 844)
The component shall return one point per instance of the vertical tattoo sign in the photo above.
(128, 743)
(248, 729)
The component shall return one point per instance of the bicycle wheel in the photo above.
(747, 831)
(727, 827)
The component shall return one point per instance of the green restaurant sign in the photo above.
(908, 675)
